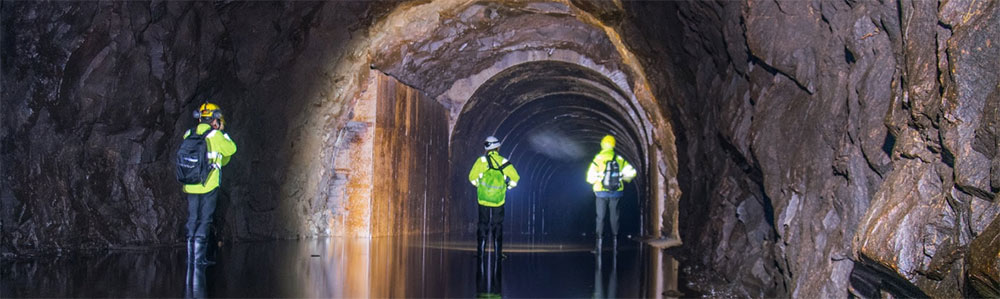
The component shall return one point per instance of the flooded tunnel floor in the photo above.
(348, 267)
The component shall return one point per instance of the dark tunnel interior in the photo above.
(550, 117)
(803, 149)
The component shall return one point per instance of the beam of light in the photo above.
(556, 145)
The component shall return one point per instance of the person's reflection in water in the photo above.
(488, 278)
(612, 280)
(598, 281)
(194, 283)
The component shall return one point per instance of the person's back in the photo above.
(202, 196)
(608, 185)
(492, 175)
(484, 175)
(220, 149)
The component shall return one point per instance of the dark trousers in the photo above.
(200, 210)
(612, 204)
(490, 220)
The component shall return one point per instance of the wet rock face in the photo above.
(480, 35)
(820, 136)
(984, 263)
(96, 98)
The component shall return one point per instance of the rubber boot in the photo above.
(200, 250)
(190, 250)
(195, 286)
(481, 283)
(498, 247)
(614, 243)
(189, 281)
(480, 247)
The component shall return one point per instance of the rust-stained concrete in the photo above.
(410, 159)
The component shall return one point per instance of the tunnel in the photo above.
(822, 149)
(551, 115)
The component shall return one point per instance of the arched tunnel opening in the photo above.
(550, 117)
(821, 149)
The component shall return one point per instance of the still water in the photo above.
(351, 267)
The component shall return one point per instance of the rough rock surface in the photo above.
(96, 97)
(820, 142)
(984, 262)
(817, 136)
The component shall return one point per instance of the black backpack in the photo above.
(612, 174)
(192, 159)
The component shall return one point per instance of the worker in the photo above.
(492, 175)
(203, 153)
(607, 173)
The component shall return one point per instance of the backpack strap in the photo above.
(614, 157)
(194, 132)
(490, 161)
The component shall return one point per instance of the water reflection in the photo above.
(661, 273)
(612, 282)
(194, 282)
(352, 268)
(489, 278)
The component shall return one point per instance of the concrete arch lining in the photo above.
(463, 89)
(534, 80)
(608, 119)
(449, 49)
(517, 103)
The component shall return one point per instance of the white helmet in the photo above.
(491, 143)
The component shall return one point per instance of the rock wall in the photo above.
(97, 95)
(816, 136)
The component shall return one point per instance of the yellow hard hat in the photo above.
(608, 142)
(209, 110)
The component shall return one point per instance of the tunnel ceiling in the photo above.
(582, 103)
(461, 41)
(582, 119)
(550, 116)
(553, 109)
